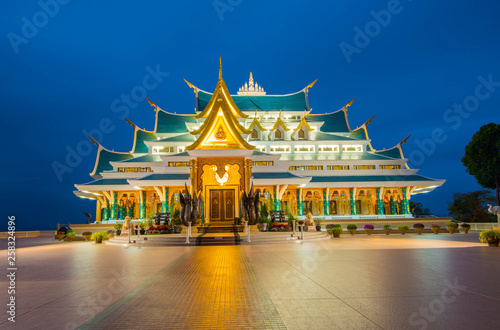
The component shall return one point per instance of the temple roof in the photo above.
(334, 156)
(322, 136)
(291, 102)
(144, 159)
(335, 122)
(167, 122)
(104, 157)
(186, 137)
(372, 178)
(106, 182)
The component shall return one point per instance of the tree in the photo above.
(418, 210)
(482, 157)
(471, 207)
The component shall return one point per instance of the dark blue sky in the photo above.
(62, 73)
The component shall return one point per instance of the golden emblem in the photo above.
(220, 135)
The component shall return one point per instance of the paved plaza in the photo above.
(362, 282)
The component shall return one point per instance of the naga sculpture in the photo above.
(190, 207)
(494, 210)
(250, 206)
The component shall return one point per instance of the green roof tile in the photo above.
(393, 153)
(186, 137)
(141, 136)
(322, 136)
(104, 157)
(172, 123)
(291, 102)
(334, 122)
(102, 182)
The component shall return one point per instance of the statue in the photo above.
(190, 207)
(494, 210)
(250, 205)
(89, 217)
(127, 224)
(309, 220)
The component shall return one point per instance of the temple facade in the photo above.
(300, 161)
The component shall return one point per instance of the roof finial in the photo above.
(220, 67)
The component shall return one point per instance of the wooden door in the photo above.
(222, 206)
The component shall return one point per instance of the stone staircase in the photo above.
(217, 239)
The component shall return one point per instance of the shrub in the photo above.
(418, 226)
(465, 225)
(60, 232)
(70, 233)
(436, 226)
(335, 230)
(102, 235)
(403, 227)
(452, 224)
(87, 233)
(368, 226)
(280, 227)
(489, 234)
(118, 226)
(317, 222)
(351, 226)
(387, 226)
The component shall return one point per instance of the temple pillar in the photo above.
(380, 201)
(98, 211)
(392, 205)
(122, 211)
(248, 173)
(193, 165)
(277, 202)
(142, 204)
(405, 203)
(114, 210)
(167, 204)
(326, 199)
(354, 208)
(300, 203)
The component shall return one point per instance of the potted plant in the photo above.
(419, 228)
(86, 235)
(491, 236)
(317, 222)
(99, 236)
(369, 229)
(110, 233)
(403, 229)
(60, 235)
(387, 229)
(70, 235)
(465, 228)
(451, 226)
(435, 228)
(118, 227)
(263, 221)
(352, 228)
(335, 231)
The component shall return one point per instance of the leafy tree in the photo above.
(482, 157)
(471, 207)
(418, 210)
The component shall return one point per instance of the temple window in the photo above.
(337, 167)
(302, 134)
(364, 167)
(160, 149)
(177, 164)
(352, 148)
(180, 149)
(324, 148)
(255, 135)
(304, 148)
(263, 163)
(390, 167)
(280, 148)
(278, 135)
(261, 148)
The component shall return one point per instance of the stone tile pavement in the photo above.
(362, 282)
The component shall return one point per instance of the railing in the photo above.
(482, 225)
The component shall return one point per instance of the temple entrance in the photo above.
(222, 205)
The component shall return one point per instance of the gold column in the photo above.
(248, 173)
(193, 166)
(98, 211)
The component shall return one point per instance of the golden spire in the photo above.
(310, 85)
(152, 104)
(349, 104)
(220, 67)
(404, 141)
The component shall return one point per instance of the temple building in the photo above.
(302, 161)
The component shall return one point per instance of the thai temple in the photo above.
(304, 161)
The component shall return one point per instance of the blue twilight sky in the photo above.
(66, 71)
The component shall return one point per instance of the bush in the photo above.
(465, 225)
(101, 235)
(280, 227)
(368, 226)
(419, 226)
(403, 227)
(70, 233)
(352, 226)
(159, 230)
(335, 230)
(87, 233)
(387, 226)
(489, 234)
(436, 226)
(452, 224)
(118, 226)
